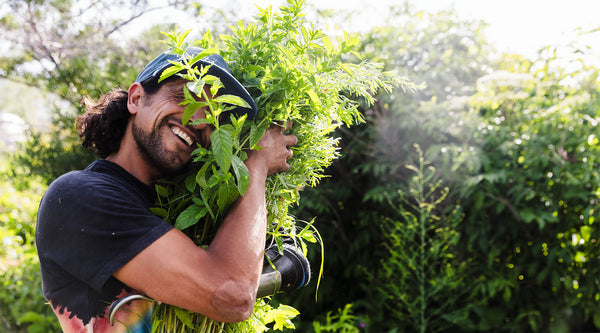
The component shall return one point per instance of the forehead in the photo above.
(173, 86)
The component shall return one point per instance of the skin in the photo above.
(220, 281)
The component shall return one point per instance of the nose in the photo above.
(202, 130)
(199, 114)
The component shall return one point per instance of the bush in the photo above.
(22, 305)
(532, 208)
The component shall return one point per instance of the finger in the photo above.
(291, 140)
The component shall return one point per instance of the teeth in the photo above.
(182, 135)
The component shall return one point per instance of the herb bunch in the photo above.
(295, 73)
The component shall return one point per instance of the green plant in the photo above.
(421, 277)
(342, 322)
(295, 73)
(22, 305)
(531, 229)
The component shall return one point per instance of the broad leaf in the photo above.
(222, 146)
(190, 216)
(242, 174)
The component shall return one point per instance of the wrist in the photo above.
(257, 167)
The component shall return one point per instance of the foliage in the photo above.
(447, 53)
(70, 50)
(353, 202)
(22, 305)
(533, 202)
(421, 274)
(90, 63)
(342, 322)
(48, 154)
(520, 159)
(527, 236)
(295, 73)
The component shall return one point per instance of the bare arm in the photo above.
(221, 281)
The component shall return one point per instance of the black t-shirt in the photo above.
(90, 223)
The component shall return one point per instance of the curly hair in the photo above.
(103, 125)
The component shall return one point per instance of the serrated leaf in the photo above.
(189, 111)
(161, 190)
(227, 194)
(201, 176)
(177, 67)
(242, 175)
(190, 216)
(222, 146)
(309, 237)
(233, 100)
(314, 99)
(190, 183)
(184, 316)
(256, 133)
(204, 53)
(199, 121)
(160, 212)
(327, 43)
(282, 316)
(194, 87)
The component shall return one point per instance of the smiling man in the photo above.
(97, 239)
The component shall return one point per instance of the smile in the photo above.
(182, 135)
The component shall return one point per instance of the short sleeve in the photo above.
(91, 226)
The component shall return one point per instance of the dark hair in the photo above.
(103, 124)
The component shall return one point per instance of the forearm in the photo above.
(239, 243)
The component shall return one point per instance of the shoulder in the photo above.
(99, 182)
(76, 186)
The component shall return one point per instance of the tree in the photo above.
(355, 202)
(533, 202)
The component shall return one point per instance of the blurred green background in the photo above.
(471, 205)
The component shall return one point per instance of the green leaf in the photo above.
(233, 100)
(314, 99)
(242, 174)
(190, 183)
(177, 67)
(327, 43)
(222, 147)
(256, 134)
(161, 190)
(204, 53)
(160, 212)
(190, 216)
(201, 175)
(189, 111)
(184, 316)
(227, 194)
(282, 317)
(195, 87)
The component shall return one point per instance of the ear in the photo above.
(134, 98)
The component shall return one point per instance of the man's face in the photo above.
(161, 139)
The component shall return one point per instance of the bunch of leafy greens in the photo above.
(295, 73)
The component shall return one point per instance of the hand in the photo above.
(274, 152)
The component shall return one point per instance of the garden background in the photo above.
(471, 205)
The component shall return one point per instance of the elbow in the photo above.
(234, 301)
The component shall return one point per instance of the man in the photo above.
(98, 241)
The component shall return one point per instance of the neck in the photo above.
(130, 159)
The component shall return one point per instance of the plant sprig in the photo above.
(295, 73)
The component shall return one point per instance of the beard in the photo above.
(150, 146)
